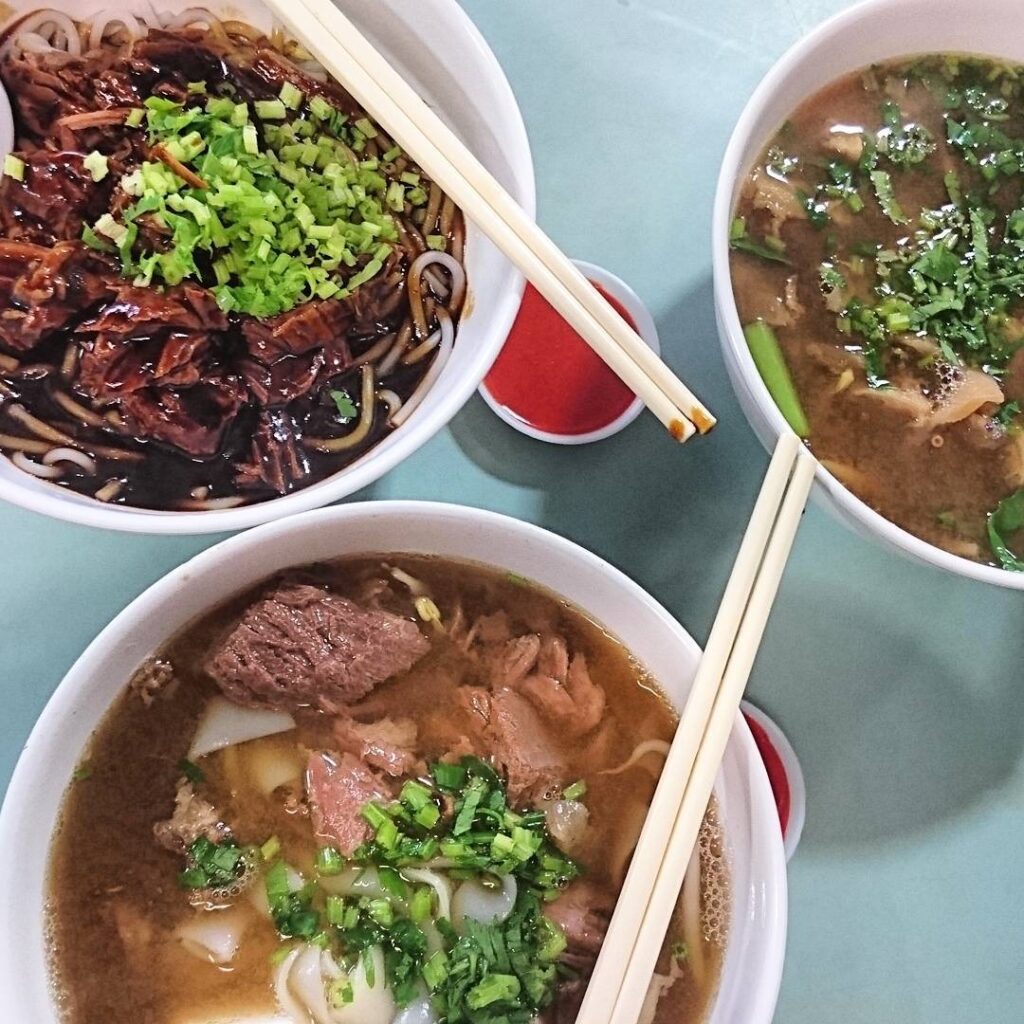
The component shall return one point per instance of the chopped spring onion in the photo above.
(14, 167)
(438, 242)
(771, 364)
(97, 166)
(291, 96)
(329, 861)
(270, 110)
(135, 117)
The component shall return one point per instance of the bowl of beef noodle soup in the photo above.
(359, 766)
(869, 274)
(227, 294)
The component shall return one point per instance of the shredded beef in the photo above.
(302, 646)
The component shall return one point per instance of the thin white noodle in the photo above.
(392, 400)
(27, 465)
(375, 351)
(387, 364)
(32, 42)
(424, 348)
(639, 751)
(455, 269)
(80, 459)
(429, 378)
(285, 999)
(103, 21)
(45, 26)
(193, 16)
(211, 504)
(440, 289)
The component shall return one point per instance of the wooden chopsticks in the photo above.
(645, 905)
(356, 64)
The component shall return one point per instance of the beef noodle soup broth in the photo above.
(878, 267)
(220, 281)
(383, 789)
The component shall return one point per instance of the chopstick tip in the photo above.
(702, 420)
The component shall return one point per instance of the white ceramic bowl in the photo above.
(435, 45)
(646, 328)
(873, 31)
(753, 963)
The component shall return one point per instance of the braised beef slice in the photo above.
(53, 287)
(284, 380)
(582, 912)
(337, 788)
(193, 419)
(164, 63)
(56, 197)
(269, 70)
(276, 460)
(304, 646)
(321, 324)
(144, 338)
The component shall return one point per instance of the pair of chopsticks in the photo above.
(645, 905)
(354, 62)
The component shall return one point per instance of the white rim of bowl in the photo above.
(732, 330)
(647, 330)
(772, 914)
(85, 511)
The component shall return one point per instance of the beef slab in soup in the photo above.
(369, 788)
(877, 264)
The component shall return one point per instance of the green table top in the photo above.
(901, 688)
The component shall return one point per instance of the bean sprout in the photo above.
(110, 490)
(24, 463)
(80, 459)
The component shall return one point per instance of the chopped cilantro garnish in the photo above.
(213, 865)
(346, 407)
(1007, 518)
(191, 771)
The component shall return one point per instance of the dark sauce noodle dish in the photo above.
(377, 790)
(220, 280)
(878, 265)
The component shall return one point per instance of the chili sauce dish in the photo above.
(869, 260)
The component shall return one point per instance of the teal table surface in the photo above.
(901, 688)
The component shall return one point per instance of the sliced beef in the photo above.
(164, 63)
(570, 699)
(193, 817)
(55, 199)
(269, 70)
(46, 288)
(337, 788)
(304, 646)
(583, 913)
(141, 312)
(192, 419)
(524, 749)
(388, 744)
(514, 660)
(276, 459)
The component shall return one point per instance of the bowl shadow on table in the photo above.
(883, 757)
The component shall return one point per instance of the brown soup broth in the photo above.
(115, 901)
(884, 421)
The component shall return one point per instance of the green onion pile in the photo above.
(269, 203)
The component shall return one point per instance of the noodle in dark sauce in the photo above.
(166, 344)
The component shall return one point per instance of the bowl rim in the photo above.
(85, 511)
(19, 805)
(731, 330)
